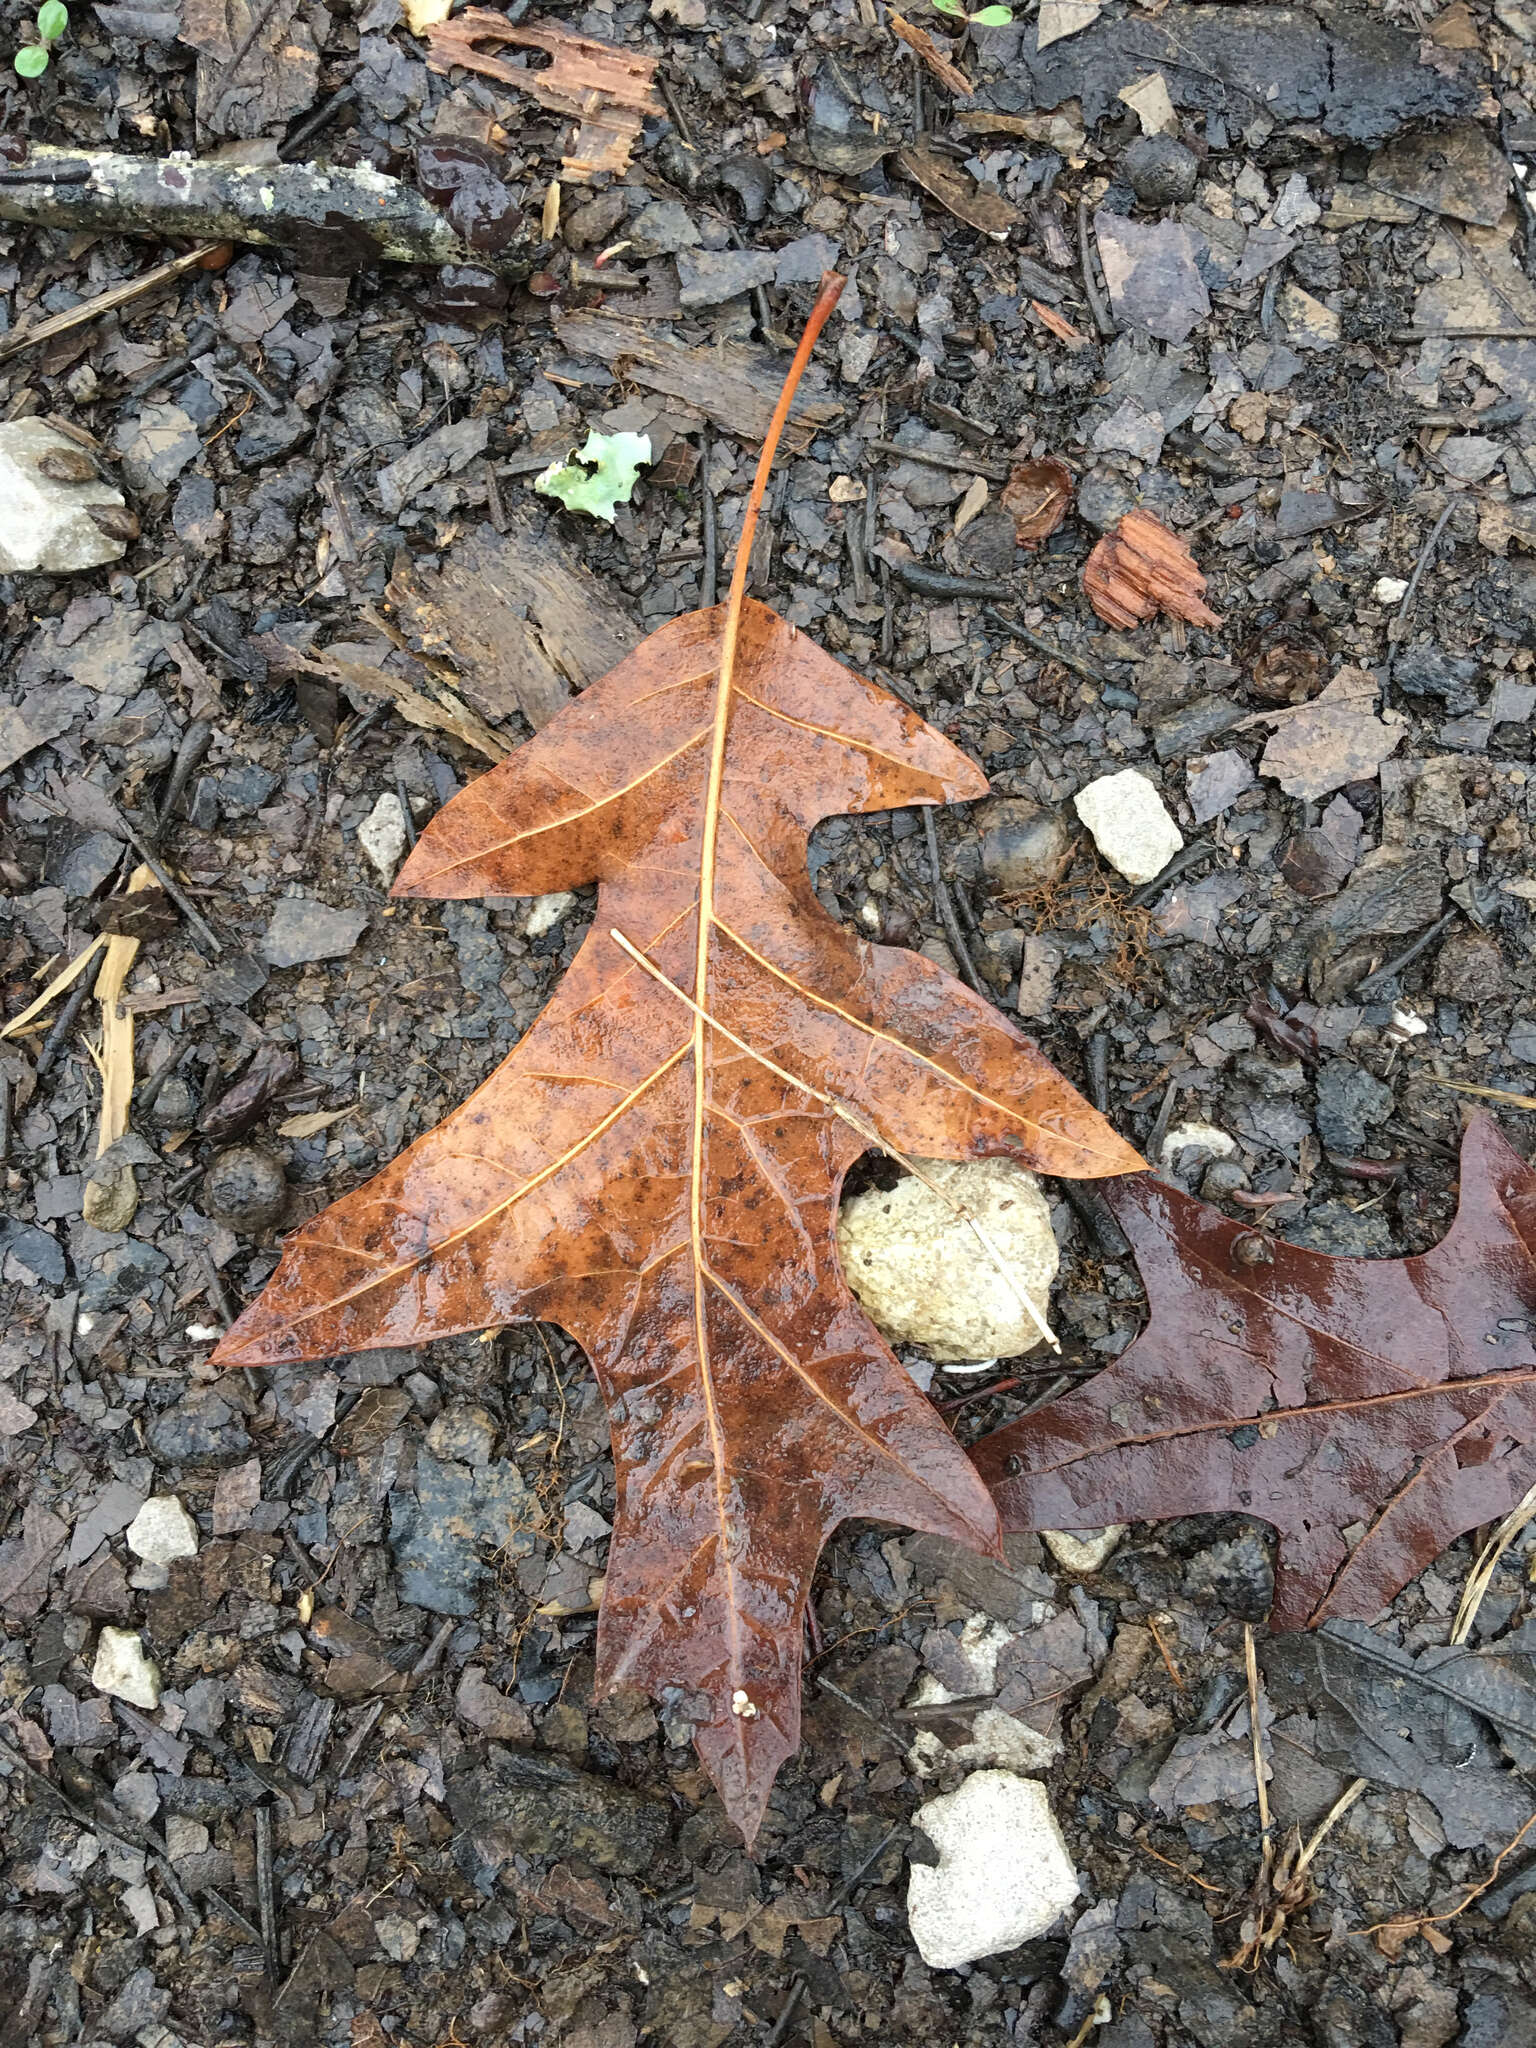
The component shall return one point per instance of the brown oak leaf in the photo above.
(656, 1167)
(1373, 1410)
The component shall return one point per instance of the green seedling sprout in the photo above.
(984, 17)
(31, 60)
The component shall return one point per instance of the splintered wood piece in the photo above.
(608, 91)
(1141, 569)
(656, 1166)
(918, 39)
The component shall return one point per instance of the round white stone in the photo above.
(1130, 824)
(1003, 1876)
(162, 1531)
(923, 1275)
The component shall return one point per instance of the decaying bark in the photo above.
(608, 91)
(328, 219)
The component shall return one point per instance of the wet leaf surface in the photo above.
(665, 1187)
(1372, 1410)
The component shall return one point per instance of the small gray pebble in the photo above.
(1160, 171)
(1223, 1177)
(245, 1188)
(737, 60)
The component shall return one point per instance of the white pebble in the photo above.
(46, 525)
(123, 1671)
(1130, 824)
(1210, 1138)
(545, 912)
(924, 1276)
(1390, 589)
(1004, 1875)
(382, 835)
(1084, 1550)
(162, 1531)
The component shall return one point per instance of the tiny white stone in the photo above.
(122, 1670)
(382, 834)
(1130, 824)
(545, 912)
(1407, 1023)
(1390, 589)
(1004, 1875)
(1084, 1550)
(162, 1530)
(922, 1274)
(44, 525)
(1209, 1137)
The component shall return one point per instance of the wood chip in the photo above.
(734, 385)
(312, 1121)
(522, 622)
(1142, 569)
(918, 39)
(608, 91)
(978, 206)
(1058, 324)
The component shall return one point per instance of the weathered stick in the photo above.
(327, 218)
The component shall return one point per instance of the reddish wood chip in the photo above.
(1142, 569)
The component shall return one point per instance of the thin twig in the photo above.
(63, 1024)
(1480, 1578)
(1048, 648)
(791, 2007)
(1409, 954)
(960, 465)
(1103, 319)
(172, 889)
(1415, 1923)
(1339, 1808)
(106, 302)
(945, 906)
(1255, 1730)
(1422, 563)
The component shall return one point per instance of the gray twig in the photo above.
(945, 906)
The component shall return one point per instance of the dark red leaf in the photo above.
(1319, 1394)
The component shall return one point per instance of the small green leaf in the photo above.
(951, 7)
(992, 17)
(617, 458)
(52, 20)
(31, 60)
